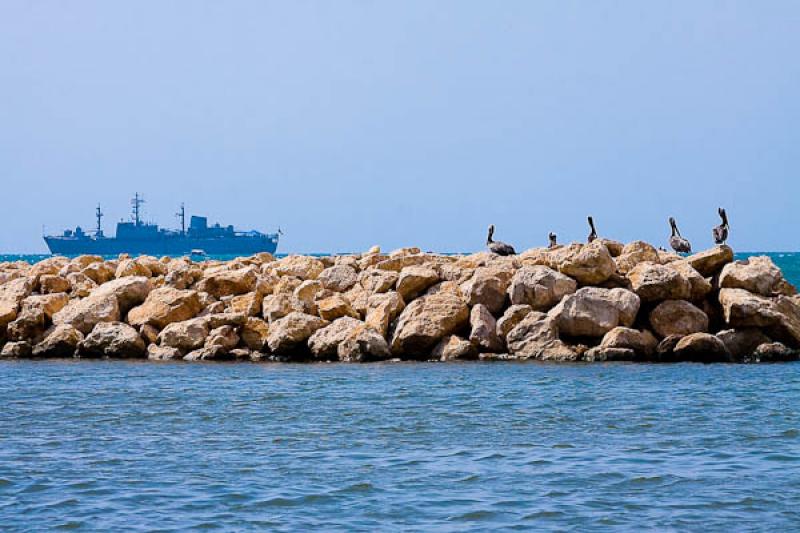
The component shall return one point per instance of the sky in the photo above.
(414, 123)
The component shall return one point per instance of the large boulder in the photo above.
(51, 283)
(132, 267)
(248, 304)
(780, 314)
(164, 306)
(375, 280)
(701, 347)
(289, 333)
(415, 280)
(59, 341)
(163, 353)
(224, 337)
(653, 282)
(484, 330)
(86, 313)
(593, 312)
(338, 278)
(536, 337)
(540, 287)
(229, 282)
(324, 342)
(634, 253)
(643, 343)
(113, 339)
(678, 317)
(511, 317)
(589, 264)
(742, 343)
(47, 304)
(15, 350)
(28, 326)
(700, 287)
(758, 275)
(363, 344)
(382, 309)
(454, 347)
(11, 295)
(336, 306)
(276, 306)
(709, 262)
(185, 335)
(426, 320)
(255, 333)
(488, 286)
(99, 272)
(129, 291)
(299, 266)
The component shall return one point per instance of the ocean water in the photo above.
(114, 446)
(138, 446)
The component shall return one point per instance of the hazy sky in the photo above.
(404, 123)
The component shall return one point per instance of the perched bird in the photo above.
(721, 232)
(593, 234)
(497, 247)
(676, 241)
(553, 242)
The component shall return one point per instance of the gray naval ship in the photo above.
(137, 237)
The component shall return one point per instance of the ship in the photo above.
(136, 237)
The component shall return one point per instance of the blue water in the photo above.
(113, 445)
(404, 446)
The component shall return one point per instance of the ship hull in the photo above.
(175, 246)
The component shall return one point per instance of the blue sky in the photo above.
(404, 123)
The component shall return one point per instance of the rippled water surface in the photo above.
(121, 445)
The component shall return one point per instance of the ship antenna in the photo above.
(136, 203)
(99, 214)
(182, 215)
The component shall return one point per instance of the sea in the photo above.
(507, 446)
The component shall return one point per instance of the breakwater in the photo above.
(581, 302)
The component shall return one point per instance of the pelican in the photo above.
(497, 247)
(676, 241)
(721, 232)
(593, 234)
(553, 242)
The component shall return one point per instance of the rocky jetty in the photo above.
(581, 302)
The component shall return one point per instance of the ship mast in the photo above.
(99, 215)
(182, 215)
(137, 204)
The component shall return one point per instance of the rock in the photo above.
(276, 306)
(359, 299)
(11, 295)
(99, 272)
(166, 305)
(488, 286)
(415, 280)
(781, 314)
(255, 333)
(701, 347)
(47, 304)
(454, 347)
(112, 339)
(678, 317)
(163, 353)
(654, 283)
(80, 284)
(610, 353)
(614, 248)
(307, 294)
(49, 284)
(15, 350)
(338, 278)
(299, 266)
(425, 321)
(382, 309)
(132, 267)
(374, 280)
(643, 343)
(398, 263)
(224, 337)
(325, 341)
(363, 344)
(539, 287)
(292, 331)
(634, 253)
(182, 275)
(665, 351)
(28, 326)
(217, 320)
(148, 333)
(484, 330)
(247, 304)
(709, 262)
(209, 353)
(757, 275)
(335, 307)
(185, 335)
(156, 267)
(229, 282)
(59, 341)
(773, 352)
(593, 312)
(86, 313)
(536, 337)
(129, 291)
(511, 317)
(742, 343)
(588, 264)
(699, 286)
(286, 285)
